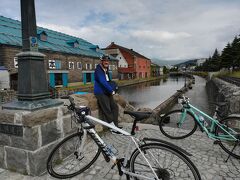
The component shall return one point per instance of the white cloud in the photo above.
(159, 36)
(162, 29)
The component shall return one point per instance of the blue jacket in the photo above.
(101, 85)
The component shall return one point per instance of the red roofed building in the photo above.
(131, 64)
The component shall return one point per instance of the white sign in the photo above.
(33, 44)
(15, 61)
(52, 64)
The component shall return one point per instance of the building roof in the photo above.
(130, 51)
(11, 34)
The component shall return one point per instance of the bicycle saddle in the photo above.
(138, 115)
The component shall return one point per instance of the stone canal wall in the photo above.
(219, 91)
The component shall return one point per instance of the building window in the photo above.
(76, 44)
(73, 43)
(15, 61)
(79, 65)
(113, 67)
(58, 64)
(88, 66)
(70, 65)
(43, 37)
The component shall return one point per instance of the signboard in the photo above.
(33, 44)
(52, 64)
(11, 129)
(15, 62)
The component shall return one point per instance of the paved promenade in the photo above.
(208, 158)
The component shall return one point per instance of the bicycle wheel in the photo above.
(234, 124)
(65, 161)
(167, 162)
(171, 126)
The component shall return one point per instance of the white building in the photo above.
(122, 63)
(201, 61)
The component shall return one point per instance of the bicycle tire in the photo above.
(58, 167)
(170, 119)
(227, 145)
(164, 172)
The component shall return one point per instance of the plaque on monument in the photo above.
(10, 129)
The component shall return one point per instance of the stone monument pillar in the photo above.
(32, 82)
(31, 125)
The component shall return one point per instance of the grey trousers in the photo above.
(108, 107)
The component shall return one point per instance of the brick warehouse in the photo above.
(68, 59)
(131, 63)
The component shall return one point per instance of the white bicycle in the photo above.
(152, 159)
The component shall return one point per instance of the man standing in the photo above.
(104, 92)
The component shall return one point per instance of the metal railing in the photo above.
(232, 80)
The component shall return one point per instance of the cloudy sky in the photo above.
(162, 29)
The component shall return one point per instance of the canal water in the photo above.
(151, 94)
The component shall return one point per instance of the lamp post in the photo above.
(185, 83)
(32, 82)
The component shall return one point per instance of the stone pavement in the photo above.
(208, 158)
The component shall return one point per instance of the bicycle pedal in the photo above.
(216, 142)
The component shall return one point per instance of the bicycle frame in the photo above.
(213, 123)
(110, 154)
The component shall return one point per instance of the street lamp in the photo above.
(185, 83)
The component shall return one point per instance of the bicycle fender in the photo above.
(169, 144)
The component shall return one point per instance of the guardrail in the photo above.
(232, 80)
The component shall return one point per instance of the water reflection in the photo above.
(151, 94)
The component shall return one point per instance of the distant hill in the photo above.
(167, 62)
(192, 62)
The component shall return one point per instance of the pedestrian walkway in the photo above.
(208, 158)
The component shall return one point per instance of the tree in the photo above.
(236, 52)
(215, 61)
(165, 70)
(226, 57)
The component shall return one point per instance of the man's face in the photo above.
(105, 63)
